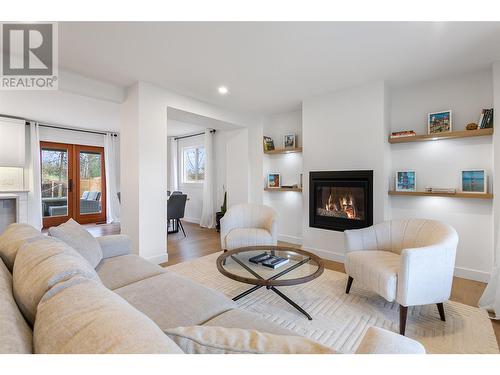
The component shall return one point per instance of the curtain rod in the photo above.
(54, 126)
(192, 135)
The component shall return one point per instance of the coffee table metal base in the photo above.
(279, 293)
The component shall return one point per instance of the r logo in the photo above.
(27, 49)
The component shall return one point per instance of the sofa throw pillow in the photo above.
(15, 335)
(40, 265)
(221, 340)
(12, 239)
(84, 317)
(79, 239)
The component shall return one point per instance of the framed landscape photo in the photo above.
(289, 141)
(474, 181)
(439, 122)
(273, 180)
(406, 181)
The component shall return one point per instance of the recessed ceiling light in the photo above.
(223, 90)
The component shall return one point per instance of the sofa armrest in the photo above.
(380, 341)
(114, 245)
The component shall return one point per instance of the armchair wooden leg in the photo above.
(403, 312)
(349, 284)
(441, 311)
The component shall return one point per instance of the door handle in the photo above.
(70, 185)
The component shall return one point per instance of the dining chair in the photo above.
(176, 207)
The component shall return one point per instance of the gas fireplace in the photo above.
(341, 200)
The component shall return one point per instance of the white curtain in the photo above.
(34, 179)
(208, 211)
(490, 300)
(174, 165)
(110, 162)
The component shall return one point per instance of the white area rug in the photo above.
(339, 320)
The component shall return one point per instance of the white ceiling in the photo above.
(270, 67)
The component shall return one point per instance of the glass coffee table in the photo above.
(300, 267)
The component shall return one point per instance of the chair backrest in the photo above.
(248, 215)
(176, 192)
(93, 196)
(176, 206)
(397, 235)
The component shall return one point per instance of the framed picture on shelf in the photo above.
(268, 144)
(273, 180)
(439, 122)
(289, 141)
(406, 181)
(474, 181)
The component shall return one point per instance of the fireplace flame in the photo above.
(345, 205)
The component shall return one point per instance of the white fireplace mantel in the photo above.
(21, 198)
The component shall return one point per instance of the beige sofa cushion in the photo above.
(220, 340)
(15, 335)
(376, 269)
(380, 341)
(119, 271)
(86, 317)
(173, 301)
(79, 239)
(238, 318)
(41, 264)
(12, 239)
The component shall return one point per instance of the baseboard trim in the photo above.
(462, 272)
(467, 273)
(290, 239)
(159, 259)
(328, 255)
(191, 220)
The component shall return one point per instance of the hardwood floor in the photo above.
(201, 241)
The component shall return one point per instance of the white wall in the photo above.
(496, 164)
(439, 163)
(62, 107)
(345, 130)
(288, 205)
(237, 162)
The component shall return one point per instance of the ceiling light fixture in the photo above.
(223, 90)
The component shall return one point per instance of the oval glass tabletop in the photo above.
(270, 265)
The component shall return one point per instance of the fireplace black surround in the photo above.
(341, 200)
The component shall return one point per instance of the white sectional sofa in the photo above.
(53, 300)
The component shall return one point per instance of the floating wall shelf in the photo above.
(451, 195)
(449, 135)
(283, 189)
(283, 151)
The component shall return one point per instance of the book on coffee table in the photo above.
(275, 262)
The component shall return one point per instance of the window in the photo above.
(193, 164)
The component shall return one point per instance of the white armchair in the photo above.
(407, 261)
(248, 225)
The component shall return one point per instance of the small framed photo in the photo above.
(406, 181)
(289, 141)
(273, 180)
(439, 122)
(474, 181)
(268, 144)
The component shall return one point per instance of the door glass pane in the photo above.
(54, 182)
(90, 183)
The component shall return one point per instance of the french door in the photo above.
(73, 183)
